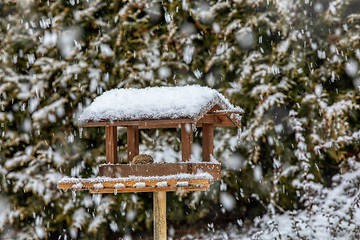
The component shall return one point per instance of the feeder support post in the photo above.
(160, 229)
(111, 144)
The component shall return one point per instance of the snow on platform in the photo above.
(177, 182)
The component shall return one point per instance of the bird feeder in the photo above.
(187, 108)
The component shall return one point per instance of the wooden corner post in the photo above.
(207, 141)
(186, 141)
(132, 142)
(111, 144)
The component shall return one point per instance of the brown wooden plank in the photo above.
(167, 189)
(150, 186)
(146, 189)
(132, 142)
(226, 117)
(218, 120)
(111, 144)
(144, 170)
(213, 169)
(149, 126)
(131, 183)
(210, 119)
(148, 170)
(215, 108)
(225, 121)
(65, 186)
(235, 120)
(207, 141)
(186, 141)
(143, 124)
(225, 112)
(154, 182)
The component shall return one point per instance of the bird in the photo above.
(142, 159)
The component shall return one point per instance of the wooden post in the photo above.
(111, 144)
(132, 142)
(186, 141)
(160, 229)
(207, 141)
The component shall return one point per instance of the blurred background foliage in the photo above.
(292, 65)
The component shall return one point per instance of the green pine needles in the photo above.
(292, 65)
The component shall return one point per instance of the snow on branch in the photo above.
(343, 139)
(340, 108)
(44, 112)
(270, 101)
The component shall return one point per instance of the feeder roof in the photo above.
(189, 104)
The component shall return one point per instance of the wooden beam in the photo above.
(225, 112)
(219, 119)
(111, 144)
(149, 170)
(235, 120)
(210, 119)
(160, 229)
(124, 186)
(186, 141)
(132, 142)
(207, 141)
(126, 183)
(146, 124)
(226, 121)
(147, 189)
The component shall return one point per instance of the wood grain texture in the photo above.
(112, 186)
(111, 144)
(146, 123)
(148, 170)
(132, 142)
(160, 229)
(219, 119)
(186, 142)
(166, 189)
(207, 141)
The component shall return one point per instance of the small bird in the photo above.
(142, 159)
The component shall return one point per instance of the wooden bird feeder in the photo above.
(187, 108)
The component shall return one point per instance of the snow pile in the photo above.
(140, 185)
(77, 186)
(182, 184)
(98, 186)
(154, 103)
(162, 184)
(119, 185)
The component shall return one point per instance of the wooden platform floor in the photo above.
(199, 182)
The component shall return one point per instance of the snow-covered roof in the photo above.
(185, 102)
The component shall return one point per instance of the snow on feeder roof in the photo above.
(187, 104)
